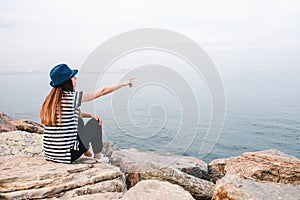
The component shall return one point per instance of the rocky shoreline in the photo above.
(134, 174)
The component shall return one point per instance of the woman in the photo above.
(66, 138)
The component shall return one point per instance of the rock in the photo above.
(20, 143)
(264, 166)
(29, 126)
(143, 165)
(217, 169)
(156, 190)
(5, 116)
(129, 159)
(234, 188)
(111, 188)
(197, 172)
(5, 123)
(8, 124)
(105, 195)
(24, 143)
(25, 177)
(109, 148)
(198, 188)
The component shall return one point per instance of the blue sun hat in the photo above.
(60, 74)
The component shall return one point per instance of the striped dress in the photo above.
(60, 139)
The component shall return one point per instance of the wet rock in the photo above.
(234, 188)
(264, 166)
(156, 190)
(25, 177)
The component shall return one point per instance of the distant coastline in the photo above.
(13, 72)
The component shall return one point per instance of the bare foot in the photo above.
(88, 154)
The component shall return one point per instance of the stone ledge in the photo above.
(25, 177)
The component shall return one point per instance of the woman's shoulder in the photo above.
(71, 93)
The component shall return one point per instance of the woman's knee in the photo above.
(94, 123)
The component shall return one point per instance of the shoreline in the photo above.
(134, 171)
(35, 140)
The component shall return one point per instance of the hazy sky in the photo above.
(236, 34)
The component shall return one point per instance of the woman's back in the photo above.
(60, 139)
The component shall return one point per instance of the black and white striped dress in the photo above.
(59, 140)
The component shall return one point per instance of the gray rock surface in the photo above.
(129, 160)
(198, 188)
(156, 190)
(234, 188)
(143, 165)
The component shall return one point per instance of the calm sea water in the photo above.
(262, 112)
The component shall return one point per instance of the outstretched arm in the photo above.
(88, 96)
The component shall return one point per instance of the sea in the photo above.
(262, 111)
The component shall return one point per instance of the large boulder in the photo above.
(26, 177)
(142, 165)
(130, 159)
(235, 188)
(198, 188)
(156, 190)
(263, 166)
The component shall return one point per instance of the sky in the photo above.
(236, 34)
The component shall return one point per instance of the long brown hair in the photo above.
(51, 107)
